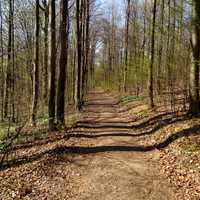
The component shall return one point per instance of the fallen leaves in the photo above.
(50, 176)
(182, 169)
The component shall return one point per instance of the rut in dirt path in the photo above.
(115, 166)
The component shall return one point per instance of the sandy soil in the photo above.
(116, 173)
(103, 157)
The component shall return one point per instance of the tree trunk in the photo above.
(13, 64)
(52, 87)
(9, 64)
(77, 98)
(160, 49)
(87, 42)
(83, 28)
(194, 72)
(168, 48)
(126, 45)
(62, 62)
(150, 83)
(2, 63)
(36, 67)
(46, 49)
(86, 47)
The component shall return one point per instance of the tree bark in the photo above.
(126, 45)
(52, 86)
(86, 47)
(7, 87)
(2, 63)
(194, 71)
(77, 98)
(36, 67)
(62, 62)
(160, 49)
(169, 80)
(87, 41)
(46, 49)
(150, 83)
(13, 64)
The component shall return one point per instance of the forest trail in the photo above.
(111, 168)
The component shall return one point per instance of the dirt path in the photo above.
(110, 168)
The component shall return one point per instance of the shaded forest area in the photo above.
(76, 72)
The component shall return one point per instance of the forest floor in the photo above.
(114, 151)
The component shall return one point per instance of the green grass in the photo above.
(36, 134)
(128, 99)
(143, 113)
(71, 119)
(43, 119)
(192, 148)
(4, 126)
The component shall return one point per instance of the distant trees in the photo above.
(52, 52)
(154, 49)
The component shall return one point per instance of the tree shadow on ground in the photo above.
(127, 125)
(97, 133)
(92, 108)
(113, 133)
(195, 130)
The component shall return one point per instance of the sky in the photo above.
(106, 6)
(108, 3)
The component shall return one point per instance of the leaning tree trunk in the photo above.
(52, 87)
(62, 62)
(194, 72)
(36, 67)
